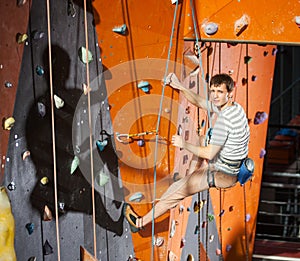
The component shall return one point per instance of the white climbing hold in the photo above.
(59, 103)
(136, 197)
(173, 228)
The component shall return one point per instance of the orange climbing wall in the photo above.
(10, 63)
(145, 44)
(263, 21)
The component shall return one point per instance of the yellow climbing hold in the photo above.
(8, 123)
(7, 228)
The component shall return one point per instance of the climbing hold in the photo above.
(174, 1)
(44, 181)
(144, 86)
(185, 159)
(83, 56)
(187, 110)
(204, 224)
(120, 29)
(37, 35)
(176, 177)
(167, 110)
(182, 242)
(260, 117)
(102, 178)
(59, 102)
(244, 81)
(71, 11)
(32, 258)
(30, 228)
(218, 252)
(75, 164)
(86, 89)
(274, 51)
(229, 229)
(47, 248)
(190, 257)
(21, 2)
(47, 215)
(210, 217)
(230, 72)
(41, 109)
(8, 123)
(101, 144)
(266, 53)
(181, 209)
(197, 230)
(222, 213)
(21, 38)
(61, 207)
(211, 28)
(39, 70)
(231, 208)
(141, 143)
(198, 206)
(228, 247)
(179, 130)
(297, 21)
(211, 238)
(247, 59)
(254, 78)
(241, 25)
(185, 119)
(186, 135)
(247, 217)
(25, 154)
(8, 84)
(262, 153)
(159, 241)
(136, 197)
(11, 186)
(173, 228)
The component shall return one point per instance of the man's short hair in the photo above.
(218, 79)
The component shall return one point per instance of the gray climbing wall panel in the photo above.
(32, 132)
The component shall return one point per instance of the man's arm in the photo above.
(204, 152)
(191, 96)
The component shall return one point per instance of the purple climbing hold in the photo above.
(260, 117)
(247, 218)
(141, 143)
(228, 247)
(262, 153)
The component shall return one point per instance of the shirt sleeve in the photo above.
(219, 131)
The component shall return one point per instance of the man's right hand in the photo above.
(173, 81)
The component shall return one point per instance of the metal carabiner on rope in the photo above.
(128, 137)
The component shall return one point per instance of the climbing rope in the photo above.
(205, 83)
(53, 132)
(90, 130)
(158, 125)
(244, 186)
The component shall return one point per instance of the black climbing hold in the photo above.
(47, 248)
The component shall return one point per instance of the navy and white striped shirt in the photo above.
(231, 132)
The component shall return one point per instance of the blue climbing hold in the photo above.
(136, 197)
(39, 70)
(144, 86)
(101, 144)
(30, 228)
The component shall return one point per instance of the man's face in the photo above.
(219, 95)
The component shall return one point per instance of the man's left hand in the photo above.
(177, 141)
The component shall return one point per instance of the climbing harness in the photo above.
(128, 137)
(53, 132)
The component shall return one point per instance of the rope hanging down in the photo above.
(53, 132)
(158, 125)
(90, 130)
(205, 83)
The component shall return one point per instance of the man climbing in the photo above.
(225, 150)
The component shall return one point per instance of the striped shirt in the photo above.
(231, 132)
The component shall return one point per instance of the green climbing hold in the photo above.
(83, 57)
(210, 217)
(102, 178)
(75, 164)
